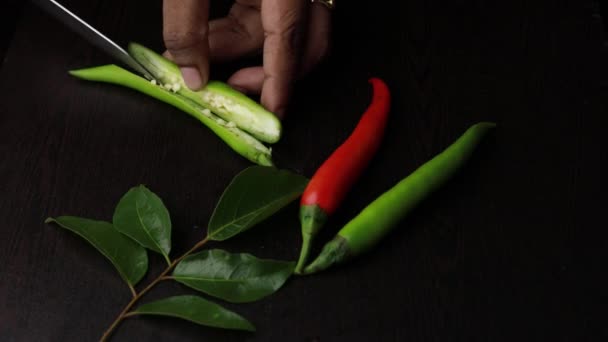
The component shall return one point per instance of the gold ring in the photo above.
(327, 3)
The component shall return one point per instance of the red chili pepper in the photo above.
(335, 177)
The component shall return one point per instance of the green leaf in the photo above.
(236, 278)
(253, 195)
(196, 309)
(130, 259)
(141, 215)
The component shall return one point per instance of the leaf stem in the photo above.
(167, 259)
(133, 292)
(137, 295)
(129, 314)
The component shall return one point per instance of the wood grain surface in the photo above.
(513, 249)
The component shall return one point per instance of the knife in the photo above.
(92, 35)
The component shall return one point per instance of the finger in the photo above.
(239, 34)
(185, 30)
(248, 80)
(284, 25)
(318, 40)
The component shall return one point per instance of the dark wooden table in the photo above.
(513, 249)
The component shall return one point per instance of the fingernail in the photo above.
(167, 55)
(192, 77)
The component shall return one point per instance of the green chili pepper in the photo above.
(218, 97)
(376, 220)
(240, 141)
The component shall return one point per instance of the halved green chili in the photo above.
(238, 140)
(224, 101)
(377, 219)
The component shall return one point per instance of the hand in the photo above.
(292, 34)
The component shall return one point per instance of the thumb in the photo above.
(185, 33)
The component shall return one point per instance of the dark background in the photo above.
(514, 248)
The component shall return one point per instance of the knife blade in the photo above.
(91, 34)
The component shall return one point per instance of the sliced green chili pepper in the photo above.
(218, 97)
(240, 141)
(377, 219)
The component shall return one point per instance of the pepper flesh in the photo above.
(331, 182)
(224, 101)
(376, 220)
(238, 140)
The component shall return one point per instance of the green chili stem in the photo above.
(335, 251)
(305, 250)
(137, 296)
(312, 218)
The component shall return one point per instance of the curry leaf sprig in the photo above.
(141, 222)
